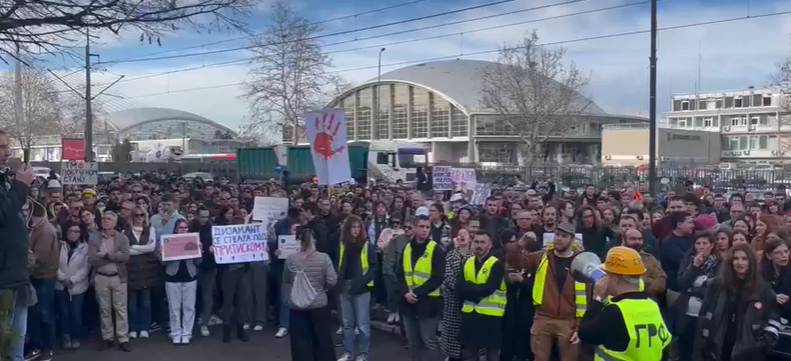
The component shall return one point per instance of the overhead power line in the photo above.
(321, 36)
(350, 16)
(377, 46)
(589, 38)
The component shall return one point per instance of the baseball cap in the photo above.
(88, 192)
(421, 212)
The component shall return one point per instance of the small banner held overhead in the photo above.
(327, 136)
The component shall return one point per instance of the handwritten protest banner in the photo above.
(239, 243)
(269, 209)
(176, 247)
(464, 178)
(79, 172)
(442, 178)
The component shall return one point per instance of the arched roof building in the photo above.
(440, 104)
(164, 123)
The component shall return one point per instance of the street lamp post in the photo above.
(378, 94)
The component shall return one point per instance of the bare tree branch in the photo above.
(51, 26)
(290, 74)
(534, 92)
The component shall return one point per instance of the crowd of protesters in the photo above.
(462, 281)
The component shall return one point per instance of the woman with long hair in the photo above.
(358, 266)
(698, 268)
(181, 286)
(774, 268)
(460, 219)
(144, 271)
(311, 332)
(376, 223)
(73, 281)
(764, 225)
(451, 317)
(724, 241)
(740, 320)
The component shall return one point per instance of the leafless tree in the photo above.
(33, 114)
(50, 26)
(289, 75)
(535, 93)
(781, 80)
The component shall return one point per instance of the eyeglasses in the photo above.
(408, 228)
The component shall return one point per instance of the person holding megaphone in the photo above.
(630, 326)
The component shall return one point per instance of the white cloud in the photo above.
(733, 55)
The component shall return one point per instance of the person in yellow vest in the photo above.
(420, 272)
(559, 300)
(630, 327)
(482, 288)
(357, 265)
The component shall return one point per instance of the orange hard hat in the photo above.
(623, 261)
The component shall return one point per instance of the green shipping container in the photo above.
(260, 163)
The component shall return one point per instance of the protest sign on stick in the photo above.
(239, 243)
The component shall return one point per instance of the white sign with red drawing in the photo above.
(327, 136)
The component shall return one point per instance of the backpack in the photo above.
(302, 292)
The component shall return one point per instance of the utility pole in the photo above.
(378, 97)
(87, 96)
(88, 110)
(652, 106)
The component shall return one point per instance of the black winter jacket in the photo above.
(14, 271)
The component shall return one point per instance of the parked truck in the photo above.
(388, 161)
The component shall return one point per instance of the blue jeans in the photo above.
(284, 308)
(139, 308)
(19, 327)
(356, 314)
(70, 313)
(41, 319)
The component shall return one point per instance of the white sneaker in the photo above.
(258, 328)
(215, 321)
(361, 358)
(391, 318)
(281, 332)
(176, 340)
(246, 326)
(340, 332)
(133, 334)
(143, 334)
(346, 357)
(356, 331)
(204, 331)
(186, 340)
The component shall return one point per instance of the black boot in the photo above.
(242, 333)
(226, 333)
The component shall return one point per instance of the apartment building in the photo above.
(754, 124)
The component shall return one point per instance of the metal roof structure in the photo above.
(129, 118)
(458, 81)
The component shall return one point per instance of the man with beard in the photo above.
(332, 225)
(493, 222)
(482, 288)
(560, 301)
(654, 279)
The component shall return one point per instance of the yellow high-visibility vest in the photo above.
(648, 334)
(363, 260)
(492, 305)
(420, 274)
(580, 296)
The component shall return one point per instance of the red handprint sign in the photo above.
(326, 134)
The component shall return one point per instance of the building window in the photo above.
(348, 111)
(743, 143)
(708, 122)
(763, 142)
(440, 117)
(737, 102)
(419, 105)
(491, 125)
(682, 123)
(733, 143)
(767, 101)
(754, 120)
(460, 123)
(753, 142)
(685, 105)
(401, 102)
(364, 112)
(497, 152)
(383, 118)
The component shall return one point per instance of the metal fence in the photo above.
(670, 178)
(217, 169)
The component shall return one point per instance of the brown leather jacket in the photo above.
(556, 304)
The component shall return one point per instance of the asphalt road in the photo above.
(384, 346)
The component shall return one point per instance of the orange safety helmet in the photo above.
(623, 261)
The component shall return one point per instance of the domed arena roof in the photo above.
(127, 119)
